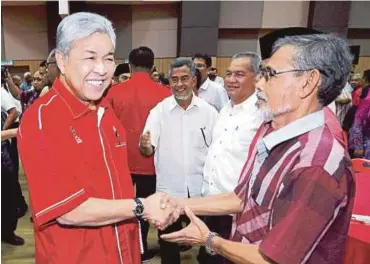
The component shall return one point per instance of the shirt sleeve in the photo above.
(7, 102)
(153, 125)
(302, 213)
(52, 175)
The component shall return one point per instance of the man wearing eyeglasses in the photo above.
(234, 130)
(178, 131)
(209, 90)
(295, 194)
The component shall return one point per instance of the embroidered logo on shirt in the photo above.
(76, 137)
(119, 143)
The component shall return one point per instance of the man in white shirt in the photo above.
(210, 91)
(178, 131)
(232, 135)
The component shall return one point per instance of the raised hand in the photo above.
(196, 233)
(145, 140)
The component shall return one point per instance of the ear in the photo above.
(311, 84)
(61, 61)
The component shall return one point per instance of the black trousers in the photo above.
(170, 252)
(221, 225)
(9, 216)
(145, 186)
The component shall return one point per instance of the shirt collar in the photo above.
(194, 102)
(204, 86)
(294, 129)
(77, 108)
(247, 103)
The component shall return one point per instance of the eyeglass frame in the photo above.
(272, 72)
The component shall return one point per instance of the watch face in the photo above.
(139, 210)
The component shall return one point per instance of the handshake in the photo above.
(161, 210)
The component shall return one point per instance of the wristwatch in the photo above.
(138, 208)
(209, 243)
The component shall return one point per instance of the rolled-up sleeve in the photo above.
(52, 171)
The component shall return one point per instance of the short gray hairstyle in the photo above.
(255, 60)
(325, 52)
(179, 62)
(81, 25)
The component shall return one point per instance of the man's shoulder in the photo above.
(46, 108)
(205, 106)
(320, 148)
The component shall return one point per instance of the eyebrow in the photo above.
(111, 53)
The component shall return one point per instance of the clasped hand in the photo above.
(161, 210)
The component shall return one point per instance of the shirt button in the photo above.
(220, 141)
(212, 183)
(225, 129)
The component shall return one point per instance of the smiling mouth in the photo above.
(95, 82)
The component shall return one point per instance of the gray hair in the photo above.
(255, 60)
(179, 62)
(325, 52)
(81, 25)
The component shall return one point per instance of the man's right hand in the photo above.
(145, 140)
(145, 144)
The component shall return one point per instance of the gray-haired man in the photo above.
(294, 199)
(81, 192)
(232, 135)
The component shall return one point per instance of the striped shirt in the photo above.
(297, 184)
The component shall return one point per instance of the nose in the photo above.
(100, 67)
(260, 83)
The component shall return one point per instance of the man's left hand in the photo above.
(196, 233)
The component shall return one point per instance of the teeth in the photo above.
(95, 82)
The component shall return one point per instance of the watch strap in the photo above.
(209, 243)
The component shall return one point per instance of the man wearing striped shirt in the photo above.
(294, 198)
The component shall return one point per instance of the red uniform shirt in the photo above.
(71, 153)
(132, 101)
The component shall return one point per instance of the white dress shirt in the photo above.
(214, 94)
(234, 131)
(220, 81)
(180, 148)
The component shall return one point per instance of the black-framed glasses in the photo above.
(268, 72)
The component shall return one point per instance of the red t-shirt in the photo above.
(132, 102)
(71, 153)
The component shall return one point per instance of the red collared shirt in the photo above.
(71, 153)
(132, 101)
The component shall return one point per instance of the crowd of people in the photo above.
(256, 165)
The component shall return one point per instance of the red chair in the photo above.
(361, 166)
(358, 241)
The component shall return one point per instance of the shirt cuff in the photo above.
(60, 208)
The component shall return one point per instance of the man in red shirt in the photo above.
(132, 101)
(74, 153)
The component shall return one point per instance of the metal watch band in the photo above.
(209, 243)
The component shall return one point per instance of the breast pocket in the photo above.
(202, 137)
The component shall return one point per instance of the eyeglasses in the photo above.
(200, 65)
(268, 72)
